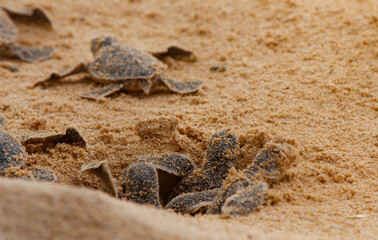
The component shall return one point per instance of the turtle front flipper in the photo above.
(221, 155)
(181, 87)
(102, 170)
(171, 169)
(192, 203)
(245, 201)
(28, 54)
(12, 153)
(56, 76)
(35, 15)
(104, 91)
(44, 175)
(226, 191)
(176, 53)
(141, 184)
(35, 143)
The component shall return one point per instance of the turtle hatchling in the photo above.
(120, 67)
(174, 182)
(8, 34)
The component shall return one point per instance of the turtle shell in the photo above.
(118, 62)
(12, 153)
(8, 30)
(44, 175)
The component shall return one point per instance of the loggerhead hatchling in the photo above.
(8, 34)
(174, 182)
(123, 68)
(14, 154)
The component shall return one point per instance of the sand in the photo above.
(303, 72)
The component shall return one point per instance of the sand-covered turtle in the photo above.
(174, 182)
(120, 67)
(238, 193)
(243, 192)
(14, 153)
(8, 34)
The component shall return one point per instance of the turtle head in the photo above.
(100, 42)
(274, 161)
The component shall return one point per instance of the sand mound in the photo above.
(31, 210)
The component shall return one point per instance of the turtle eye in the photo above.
(276, 150)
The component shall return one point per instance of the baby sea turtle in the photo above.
(174, 182)
(8, 34)
(244, 191)
(239, 192)
(124, 68)
(14, 154)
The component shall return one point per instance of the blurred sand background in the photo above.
(304, 72)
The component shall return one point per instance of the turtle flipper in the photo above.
(221, 155)
(12, 153)
(44, 175)
(55, 76)
(28, 54)
(181, 87)
(171, 169)
(72, 136)
(141, 184)
(35, 15)
(176, 164)
(225, 192)
(245, 201)
(176, 53)
(192, 203)
(104, 91)
(102, 170)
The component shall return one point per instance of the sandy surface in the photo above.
(304, 72)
